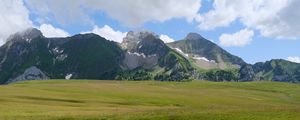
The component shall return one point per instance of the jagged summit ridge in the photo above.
(133, 38)
(143, 48)
(139, 35)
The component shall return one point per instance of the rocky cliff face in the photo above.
(142, 49)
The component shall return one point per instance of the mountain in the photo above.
(141, 56)
(146, 54)
(142, 49)
(205, 54)
(273, 70)
(87, 56)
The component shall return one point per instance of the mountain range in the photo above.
(142, 55)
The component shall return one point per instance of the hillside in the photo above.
(86, 99)
(273, 70)
(29, 55)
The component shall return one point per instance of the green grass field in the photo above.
(88, 99)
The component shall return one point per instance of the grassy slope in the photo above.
(149, 100)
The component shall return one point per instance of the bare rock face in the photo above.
(133, 38)
(142, 49)
(134, 60)
(32, 73)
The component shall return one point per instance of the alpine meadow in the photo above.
(149, 60)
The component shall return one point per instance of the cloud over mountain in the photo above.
(240, 38)
(50, 31)
(294, 59)
(273, 18)
(108, 33)
(14, 17)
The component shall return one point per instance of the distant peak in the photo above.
(139, 35)
(136, 38)
(28, 33)
(193, 36)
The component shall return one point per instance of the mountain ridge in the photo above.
(204, 51)
(142, 55)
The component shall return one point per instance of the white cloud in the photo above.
(294, 59)
(241, 38)
(166, 38)
(14, 17)
(108, 33)
(129, 12)
(220, 16)
(273, 18)
(49, 31)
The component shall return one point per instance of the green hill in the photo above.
(97, 100)
(273, 70)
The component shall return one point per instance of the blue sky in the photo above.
(255, 30)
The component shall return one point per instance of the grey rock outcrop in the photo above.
(134, 60)
(32, 73)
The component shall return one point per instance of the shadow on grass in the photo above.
(49, 99)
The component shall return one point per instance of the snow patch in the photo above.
(68, 76)
(57, 51)
(202, 58)
(28, 40)
(137, 54)
(140, 46)
(181, 52)
(141, 54)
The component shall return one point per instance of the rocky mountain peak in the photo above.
(193, 36)
(133, 38)
(26, 34)
(139, 35)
